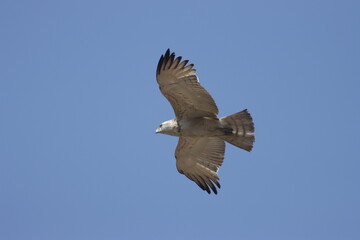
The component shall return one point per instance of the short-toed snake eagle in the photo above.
(202, 135)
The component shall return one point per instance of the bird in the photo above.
(202, 135)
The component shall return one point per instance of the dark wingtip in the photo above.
(170, 56)
(216, 182)
(214, 190)
(167, 53)
(160, 63)
(171, 59)
(206, 187)
(164, 59)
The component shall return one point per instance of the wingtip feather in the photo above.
(168, 61)
(160, 63)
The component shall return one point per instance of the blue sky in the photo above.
(79, 105)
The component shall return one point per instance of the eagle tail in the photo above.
(239, 130)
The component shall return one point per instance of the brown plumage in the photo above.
(201, 147)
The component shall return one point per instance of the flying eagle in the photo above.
(202, 135)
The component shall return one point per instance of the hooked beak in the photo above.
(157, 130)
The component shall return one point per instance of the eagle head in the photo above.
(169, 127)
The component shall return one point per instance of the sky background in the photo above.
(79, 105)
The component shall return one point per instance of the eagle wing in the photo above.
(180, 85)
(199, 159)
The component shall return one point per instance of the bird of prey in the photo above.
(202, 135)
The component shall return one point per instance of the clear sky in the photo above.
(79, 105)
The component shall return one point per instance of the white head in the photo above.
(169, 127)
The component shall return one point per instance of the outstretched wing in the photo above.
(199, 159)
(179, 84)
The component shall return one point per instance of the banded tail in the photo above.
(240, 130)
